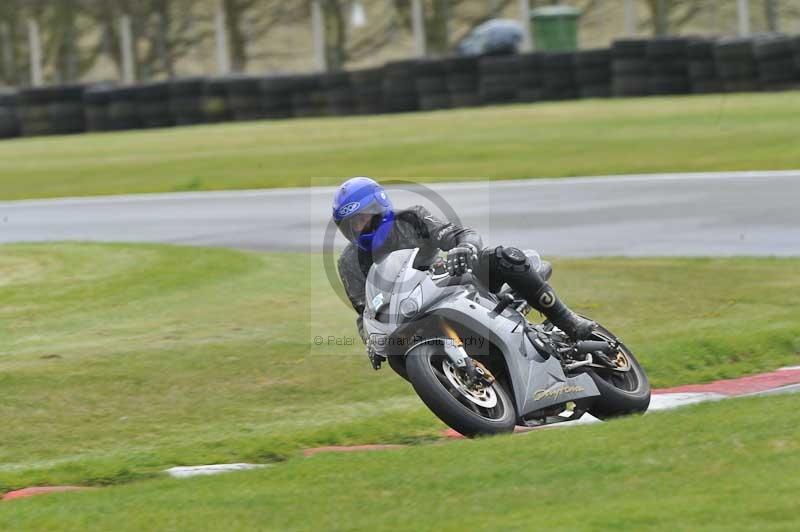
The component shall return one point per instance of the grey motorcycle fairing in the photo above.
(538, 380)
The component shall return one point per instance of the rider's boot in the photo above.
(516, 270)
(576, 327)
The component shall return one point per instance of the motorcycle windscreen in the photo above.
(385, 274)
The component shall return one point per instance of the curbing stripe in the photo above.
(41, 490)
(742, 385)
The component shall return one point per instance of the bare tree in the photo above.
(335, 16)
(163, 32)
(669, 16)
(10, 22)
(248, 20)
(771, 14)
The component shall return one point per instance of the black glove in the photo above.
(461, 259)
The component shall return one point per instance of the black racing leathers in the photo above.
(413, 228)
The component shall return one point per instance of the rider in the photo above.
(365, 216)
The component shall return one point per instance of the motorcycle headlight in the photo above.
(411, 305)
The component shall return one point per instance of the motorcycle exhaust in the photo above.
(585, 347)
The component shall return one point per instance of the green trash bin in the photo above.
(555, 27)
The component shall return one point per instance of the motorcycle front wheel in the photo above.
(469, 410)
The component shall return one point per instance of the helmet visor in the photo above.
(363, 222)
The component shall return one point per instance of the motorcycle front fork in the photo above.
(454, 349)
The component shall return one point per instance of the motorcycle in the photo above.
(479, 364)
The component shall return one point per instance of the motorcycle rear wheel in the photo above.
(466, 412)
(620, 393)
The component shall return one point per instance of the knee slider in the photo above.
(510, 259)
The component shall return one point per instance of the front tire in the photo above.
(436, 381)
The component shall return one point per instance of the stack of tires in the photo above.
(216, 106)
(499, 78)
(796, 46)
(368, 90)
(32, 112)
(96, 102)
(244, 97)
(400, 87)
(559, 76)
(776, 63)
(123, 109)
(463, 81)
(703, 76)
(669, 65)
(9, 123)
(51, 110)
(341, 100)
(630, 67)
(593, 73)
(736, 64)
(152, 105)
(530, 87)
(276, 94)
(431, 83)
(187, 101)
(66, 110)
(308, 98)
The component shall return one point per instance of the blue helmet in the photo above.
(363, 212)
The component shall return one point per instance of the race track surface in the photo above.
(711, 214)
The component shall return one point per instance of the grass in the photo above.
(717, 466)
(117, 361)
(593, 137)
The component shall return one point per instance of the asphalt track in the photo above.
(708, 214)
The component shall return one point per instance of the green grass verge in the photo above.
(117, 361)
(593, 137)
(717, 466)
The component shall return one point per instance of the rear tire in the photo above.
(426, 372)
(620, 393)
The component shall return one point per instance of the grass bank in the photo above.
(117, 361)
(593, 137)
(717, 466)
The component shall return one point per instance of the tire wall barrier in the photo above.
(629, 67)
(9, 121)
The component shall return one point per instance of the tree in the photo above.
(247, 20)
(10, 22)
(335, 16)
(163, 31)
(669, 16)
(771, 14)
